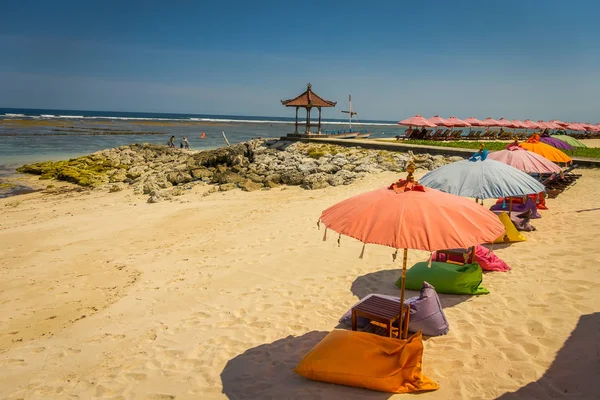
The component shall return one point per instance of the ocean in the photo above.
(32, 135)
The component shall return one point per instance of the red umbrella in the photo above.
(407, 215)
(439, 121)
(474, 121)
(417, 120)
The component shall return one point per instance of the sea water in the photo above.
(68, 133)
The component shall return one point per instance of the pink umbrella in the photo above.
(491, 122)
(439, 121)
(417, 120)
(474, 122)
(519, 124)
(526, 161)
(532, 125)
(575, 127)
(549, 124)
(558, 122)
(457, 122)
(504, 123)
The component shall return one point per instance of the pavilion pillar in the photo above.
(296, 126)
(319, 108)
(307, 119)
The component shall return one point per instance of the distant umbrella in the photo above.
(545, 150)
(481, 178)
(456, 122)
(526, 161)
(417, 120)
(474, 121)
(569, 140)
(439, 121)
(559, 144)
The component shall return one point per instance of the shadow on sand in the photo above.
(575, 371)
(267, 372)
(384, 282)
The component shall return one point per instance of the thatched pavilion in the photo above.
(308, 100)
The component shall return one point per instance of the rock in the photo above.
(342, 177)
(316, 181)
(200, 173)
(176, 191)
(135, 172)
(275, 178)
(177, 177)
(255, 178)
(292, 178)
(227, 177)
(116, 188)
(227, 186)
(149, 187)
(118, 176)
(367, 167)
(270, 184)
(154, 198)
(213, 189)
(328, 168)
(250, 186)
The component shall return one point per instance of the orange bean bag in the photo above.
(366, 360)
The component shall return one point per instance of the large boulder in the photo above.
(227, 186)
(199, 173)
(118, 176)
(135, 172)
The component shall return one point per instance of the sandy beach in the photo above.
(106, 296)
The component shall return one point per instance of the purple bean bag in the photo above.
(519, 208)
(487, 260)
(426, 314)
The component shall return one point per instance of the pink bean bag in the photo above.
(486, 259)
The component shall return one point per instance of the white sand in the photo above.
(103, 295)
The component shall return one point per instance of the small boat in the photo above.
(358, 134)
(348, 134)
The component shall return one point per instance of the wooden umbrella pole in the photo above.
(510, 207)
(402, 293)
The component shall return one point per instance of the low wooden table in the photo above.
(382, 310)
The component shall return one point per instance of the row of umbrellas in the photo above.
(435, 213)
(454, 122)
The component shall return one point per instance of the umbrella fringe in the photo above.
(339, 239)
(319, 224)
(394, 255)
(362, 252)
(325, 235)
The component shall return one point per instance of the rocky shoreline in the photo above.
(259, 164)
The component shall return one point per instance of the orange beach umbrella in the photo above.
(545, 150)
(407, 215)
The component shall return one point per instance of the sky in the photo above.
(513, 59)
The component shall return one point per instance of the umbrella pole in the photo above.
(510, 207)
(401, 321)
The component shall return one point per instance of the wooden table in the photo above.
(382, 310)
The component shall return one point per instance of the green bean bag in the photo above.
(445, 277)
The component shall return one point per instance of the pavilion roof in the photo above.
(308, 99)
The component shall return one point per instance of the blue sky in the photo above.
(513, 59)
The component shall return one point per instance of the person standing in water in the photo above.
(171, 142)
(186, 143)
